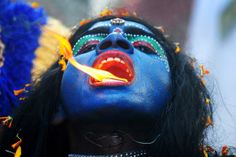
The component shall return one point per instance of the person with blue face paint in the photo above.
(127, 55)
(160, 111)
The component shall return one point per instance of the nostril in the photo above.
(105, 45)
(123, 44)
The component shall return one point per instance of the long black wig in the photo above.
(182, 124)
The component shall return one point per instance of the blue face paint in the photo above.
(139, 57)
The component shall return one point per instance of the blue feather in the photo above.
(20, 31)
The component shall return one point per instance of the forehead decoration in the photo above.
(117, 21)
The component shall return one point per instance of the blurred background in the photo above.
(205, 29)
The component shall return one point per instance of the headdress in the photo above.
(25, 50)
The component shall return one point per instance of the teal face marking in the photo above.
(83, 41)
(155, 45)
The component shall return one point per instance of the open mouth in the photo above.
(116, 62)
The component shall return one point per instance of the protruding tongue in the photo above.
(111, 81)
(99, 75)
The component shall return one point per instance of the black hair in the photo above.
(182, 123)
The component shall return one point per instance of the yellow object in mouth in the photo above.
(65, 50)
(99, 75)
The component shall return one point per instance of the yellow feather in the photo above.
(18, 152)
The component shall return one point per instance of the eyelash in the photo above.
(138, 44)
(89, 46)
(144, 47)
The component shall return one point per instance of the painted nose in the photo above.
(115, 41)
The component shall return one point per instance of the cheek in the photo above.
(149, 92)
(74, 77)
(154, 76)
(74, 83)
(71, 87)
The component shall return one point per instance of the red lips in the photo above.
(116, 62)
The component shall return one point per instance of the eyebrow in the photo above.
(103, 29)
(135, 30)
(128, 30)
(106, 29)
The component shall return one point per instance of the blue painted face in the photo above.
(128, 50)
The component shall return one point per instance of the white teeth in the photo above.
(104, 61)
(109, 59)
(117, 59)
(113, 59)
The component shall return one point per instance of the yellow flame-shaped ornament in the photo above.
(65, 50)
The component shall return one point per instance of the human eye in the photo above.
(144, 47)
(87, 43)
(146, 44)
(89, 46)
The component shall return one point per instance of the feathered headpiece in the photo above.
(20, 30)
